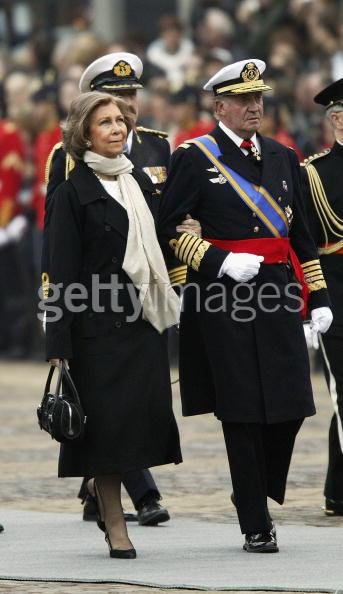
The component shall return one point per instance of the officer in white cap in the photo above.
(243, 357)
(149, 151)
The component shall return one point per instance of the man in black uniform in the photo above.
(243, 353)
(322, 182)
(149, 150)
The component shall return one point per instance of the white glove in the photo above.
(4, 239)
(16, 228)
(241, 267)
(321, 319)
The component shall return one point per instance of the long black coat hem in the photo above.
(116, 469)
(224, 418)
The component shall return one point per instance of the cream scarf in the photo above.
(143, 261)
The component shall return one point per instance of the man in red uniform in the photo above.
(11, 225)
(49, 133)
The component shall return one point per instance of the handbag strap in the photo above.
(68, 381)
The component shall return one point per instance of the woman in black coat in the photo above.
(110, 301)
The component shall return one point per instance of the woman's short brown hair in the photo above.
(76, 128)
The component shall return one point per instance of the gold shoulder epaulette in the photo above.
(49, 161)
(183, 145)
(314, 157)
(151, 131)
(70, 164)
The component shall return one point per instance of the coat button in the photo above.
(256, 229)
(117, 324)
(91, 314)
(114, 260)
(108, 227)
(254, 214)
(279, 199)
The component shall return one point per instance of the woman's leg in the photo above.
(108, 489)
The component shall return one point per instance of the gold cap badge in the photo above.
(250, 72)
(122, 68)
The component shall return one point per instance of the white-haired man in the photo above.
(243, 353)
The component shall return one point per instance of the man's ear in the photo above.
(219, 107)
(337, 119)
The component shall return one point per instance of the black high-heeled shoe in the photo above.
(120, 553)
(99, 521)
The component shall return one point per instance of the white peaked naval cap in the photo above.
(240, 77)
(119, 70)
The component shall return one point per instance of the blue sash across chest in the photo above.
(258, 199)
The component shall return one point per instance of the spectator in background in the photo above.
(215, 30)
(46, 117)
(160, 113)
(81, 49)
(186, 115)
(172, 50)
(12, 227)
(68, 89)
(274, 125)
(306, 115)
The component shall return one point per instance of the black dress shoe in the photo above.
(263, 542)
(333, 508)
(152, 513)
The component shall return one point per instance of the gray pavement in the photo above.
(197, 489)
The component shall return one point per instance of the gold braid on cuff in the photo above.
(177, 276)
(313, 275)
(190, 249)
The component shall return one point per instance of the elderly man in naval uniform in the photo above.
(243, 353)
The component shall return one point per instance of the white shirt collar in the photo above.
(129, 142)
(339, 141)
(237, 139)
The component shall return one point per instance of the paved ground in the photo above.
(198, 488)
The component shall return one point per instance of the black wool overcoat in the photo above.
(237, 360)
(119, 361)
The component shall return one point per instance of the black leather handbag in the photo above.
(61, 413)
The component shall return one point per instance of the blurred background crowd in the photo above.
(45, 46)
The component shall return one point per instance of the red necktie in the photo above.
(247, 144)
(251, 148)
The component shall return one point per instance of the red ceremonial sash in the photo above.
(275, 250)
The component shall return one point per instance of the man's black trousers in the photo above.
(332, 352)
(259, 456)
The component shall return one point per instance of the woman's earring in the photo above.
(88, 143)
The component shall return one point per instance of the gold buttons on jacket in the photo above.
(256, 229)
